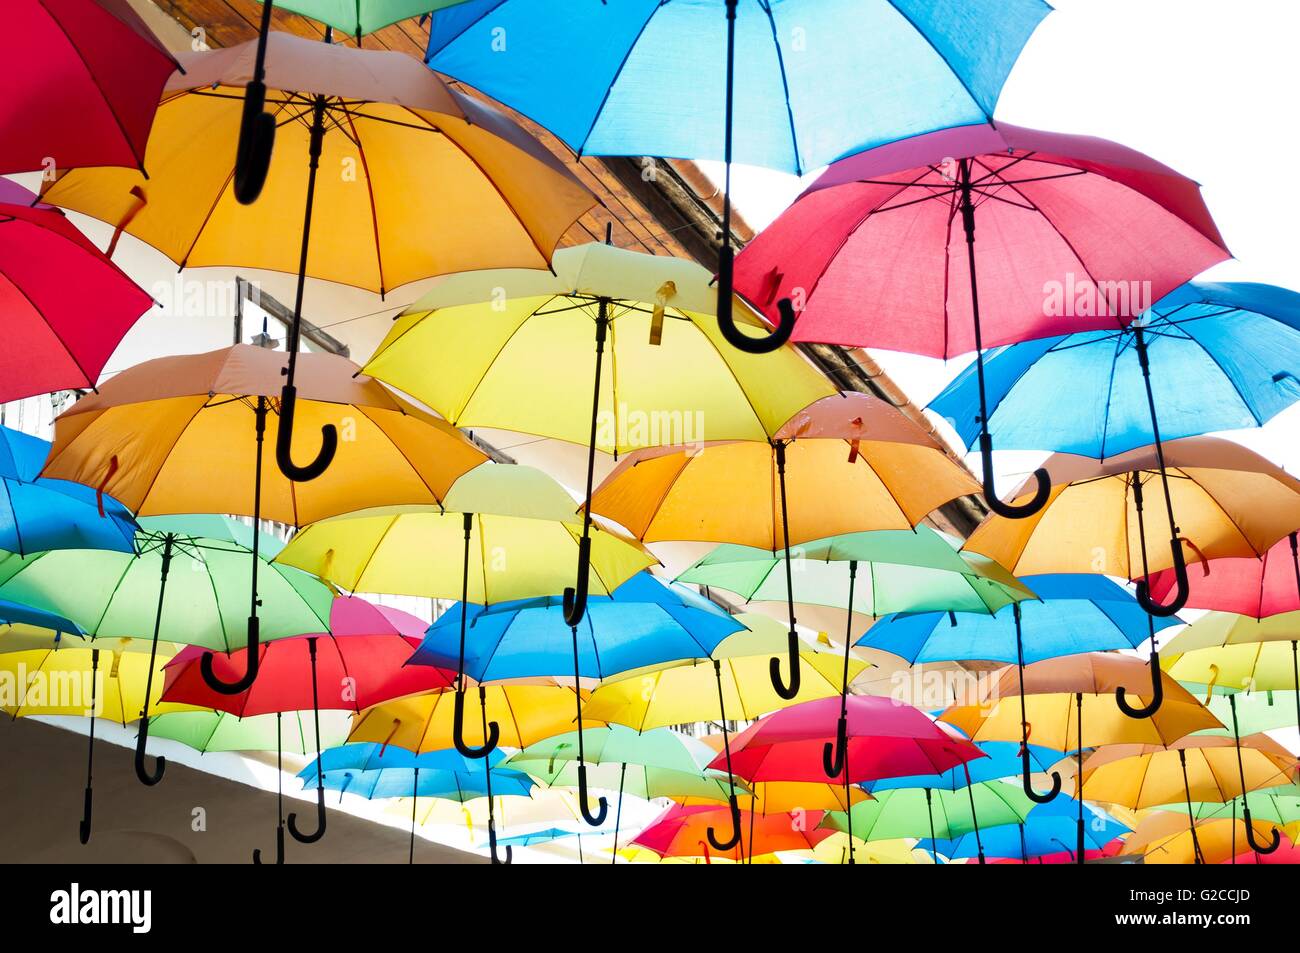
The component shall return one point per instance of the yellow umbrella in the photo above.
(835, 850)
(512, 349)
(1165, 837)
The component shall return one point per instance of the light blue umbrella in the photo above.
(1048, 829)
(1205, 357)
(14, 613)
(787, 84)
(39, 514)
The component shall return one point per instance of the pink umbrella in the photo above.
(1255, 587)
(80, 81)
(65, 305)
(1076, 234)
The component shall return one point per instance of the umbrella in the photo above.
(1231, 502)
(1257, 587)
(1045, 831)
(1052, 696)
(360, 18)
(880, 73)
(480, 348)
(81, 81)
(1078, 613)
(126, 595)
(39, 514)
(29, 628)
(388, 119)
(71, 681)
(915, 812)
(884, 227)
(507, 528)
(1235, 340)
(206, 731)
(681, 832)
(52, 339)
(852, 462)
(155, 434)
(1165, 837)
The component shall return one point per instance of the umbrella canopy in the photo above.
(881, 229)
(1257, 587)
(419, 161)
(513, 350)
(914, 812)
(1055, 689)
(117, 594)
(1077, 613)
(361, 17)
(156, 434)
(1002, 761)
(80, 83)
(523, 542)
(644, 622)
(52, 339)
(526, 713)
(681, 694)
(207, 731)
(901, 570)
(682, 831)
(615, 744)
(852, 462)
(1140, 776)
(1230, 502)
(891, 70)
(355, 671)
(373, 771)
(885, 739)
(1165, 837)
(1248, 666)
(1256, 711)
(38, 514)
(1048, 829)
(786, 797)
(1236, 342)
(634, 780)
(28, 628)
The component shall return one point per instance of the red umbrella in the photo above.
(1074, 234)
(79, 83)
(684, 832)
(1255, 587)
(65, 305)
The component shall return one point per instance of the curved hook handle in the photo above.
(575, 599)
(83, 831)
(1011, 512)
(774, 668)
(160, 764)
(492, 846)
(727, 322)
(1029, 788)
(317, 834)
(284, 442)
(1250, 833)
(833, 752)
(1157, 693)
(1182, 588)
(256, 141)
(458, 731)
(602, 811)
(254, 663)
(279, 848)
(723, 846)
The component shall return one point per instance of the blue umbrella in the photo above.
(14, 613)
(1048, 829)
(805, 81)
(1078, 612)
(1206, 357)
(1003, 761)
(39, 514)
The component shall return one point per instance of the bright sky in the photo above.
(1201, 85)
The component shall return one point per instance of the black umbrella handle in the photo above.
(279, 848)
(492, 846)
(329, 435)
(1255, 845)
(833, 751)
(160, 764)
(726, 318)
(1025, 772)
(602, 803)
(256, 126)
(1182, 589)
(1157, 693)
(317, 834)
(722, 846)
(250, 675)
(575, 597)
(83, 829)
(458, 731)
(1008, 510)
(774, 668)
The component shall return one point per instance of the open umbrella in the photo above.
(503, 533)
(1045, 831)
(881, 71)
(873, 246)
(38, 514)
(480, 349)
(208, 731)
(852, 463)
(80, 83)
(1236, 341)
(1259, 587)
(947, 814)
(155, 435)
(54, 338)
(432, 161)
(681, 832)
(1077, 613)
(1165, 837)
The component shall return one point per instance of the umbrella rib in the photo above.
(1110, 393)
(1217, 363)
(370, 191)
(487, 367)
(17, 286)
(365, 412)
(785, 87)
(988, 119)
(18, 534)
(613, 80)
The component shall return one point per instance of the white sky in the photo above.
(1201, 85)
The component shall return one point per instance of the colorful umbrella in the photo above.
(81, 81)
(210, 731)
(914, 812)
(375, 116)
(155, 435)
(681, 832)
(28, 628)
(1235, 341)
(1257, 587)
(884, 227)
(1165, 837)
(641, 91)
(1046, 830)
(359, 18)
(39, 514)
(52, 339)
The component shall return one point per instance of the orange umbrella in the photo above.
(1166, 837)
(682, 831)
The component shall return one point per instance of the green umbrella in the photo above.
(1256, 712)
(1280, 805)
(221, 731)
(188, 583)
(933, 813)
(360, 17)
